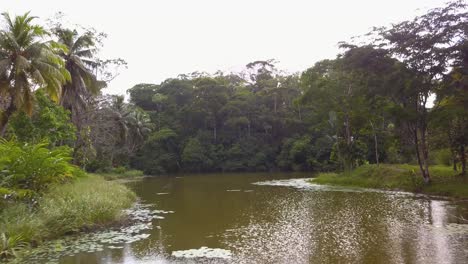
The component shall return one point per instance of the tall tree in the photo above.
(27, 63)
(426, 45)
(80, 62)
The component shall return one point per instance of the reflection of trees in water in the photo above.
(344, 227)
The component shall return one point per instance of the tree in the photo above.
(27, 63)
(452, 107)
(335, 92)
(194, 156)
(49, 122)
(79, 62)
(211, 96)
(427, 46)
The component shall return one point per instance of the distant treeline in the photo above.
(400, 96)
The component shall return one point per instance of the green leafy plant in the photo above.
(10, 245)
(33, 166)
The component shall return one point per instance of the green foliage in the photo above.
(86, 203)
(27, 60)
(349, 155)
(399, 177)
(120, 173)
(194, 156)
(34, 167)
(83, 204)
(21, 222)
(49, 122)
(443, 157)
(10, 245)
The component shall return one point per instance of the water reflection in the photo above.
(290, 222)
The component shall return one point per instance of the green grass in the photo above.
(405, 177)
(84, 204)
(120, 175)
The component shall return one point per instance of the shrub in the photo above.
(49, 122)
(443, 157)
(9, 245)
(34, 167)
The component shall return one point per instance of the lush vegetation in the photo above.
(399, 96)
(87, 203)
(372, 104)
(445, 181)
(43, 87)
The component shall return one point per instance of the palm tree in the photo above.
(27, 63)
(139, 126)
(79, 62)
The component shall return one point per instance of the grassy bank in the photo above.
(121, 174)
(86, 203)
(445, 181)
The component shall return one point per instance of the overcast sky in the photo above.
(161, 39)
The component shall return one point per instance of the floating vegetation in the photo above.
(307, 184)
(140, 216)
(203, 252)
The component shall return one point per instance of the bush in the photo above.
(49, 122)
(443, 157)
(9, 245)
(30, 168)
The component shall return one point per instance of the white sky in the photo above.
(161, 39)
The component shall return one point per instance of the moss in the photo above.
(404, 177)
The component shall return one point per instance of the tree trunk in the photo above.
(421, 153)
(347, 129)
(454, 160)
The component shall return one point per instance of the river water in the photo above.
(280, 218)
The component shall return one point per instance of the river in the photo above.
(281, 218)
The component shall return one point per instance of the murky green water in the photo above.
(286, 222)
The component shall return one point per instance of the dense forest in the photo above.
(397, 95)
(401, 97)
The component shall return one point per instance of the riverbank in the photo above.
(87, 203)
(445, 181)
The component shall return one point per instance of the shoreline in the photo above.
(400, 177)
(86, 205)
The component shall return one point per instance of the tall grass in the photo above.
(121, 174)
(83, 204)
(405, 177)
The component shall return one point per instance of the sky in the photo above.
(162, 39)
